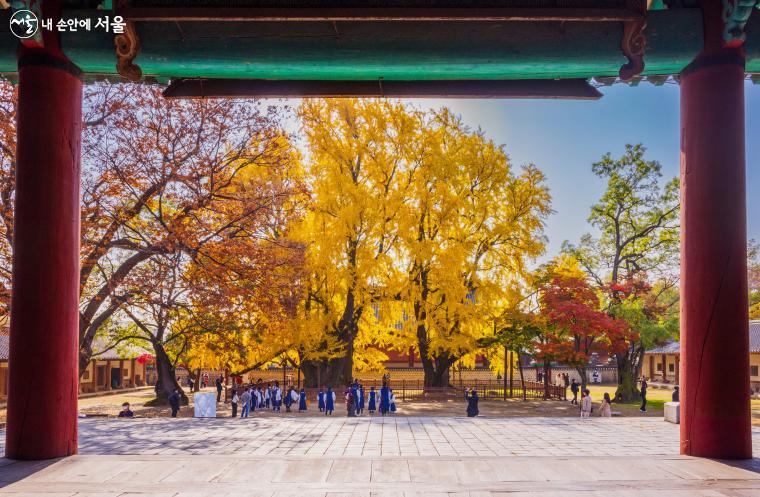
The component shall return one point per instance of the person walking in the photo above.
(234, 402)
(255, 401)
(574, 387)
(276, 396)
(586, 404)
(245, 399)
(354, 387)
(288, 399)
(329, 401)
(644, 386)
(321, 400)
(361, 399)
(302, 401)
(385, 399)
(350, 402)
(174, 399)
(472, 402)
(218, 383)
(268, 396)
(372, 405)
(605, 410)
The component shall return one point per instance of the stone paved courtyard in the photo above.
(393, 456)
(390, 436)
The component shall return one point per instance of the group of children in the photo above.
(355, 399)
(272, 397)
(269, 397)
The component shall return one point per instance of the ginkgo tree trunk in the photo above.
(358, 166)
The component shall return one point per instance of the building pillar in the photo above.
(121, 373)
(664, 368)
(44, 330)
(677, 368)
(715, 406)
(108, 378)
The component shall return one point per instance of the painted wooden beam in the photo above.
(392, 50)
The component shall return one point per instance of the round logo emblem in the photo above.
(24, 24)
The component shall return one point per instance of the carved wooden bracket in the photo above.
(634, 42)
(735, 16)
(127, 48)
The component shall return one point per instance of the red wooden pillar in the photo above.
(715, 411)
(42, 421)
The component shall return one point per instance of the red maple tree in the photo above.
(576, 327)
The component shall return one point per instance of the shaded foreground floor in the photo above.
(304, 476)
(397, 457)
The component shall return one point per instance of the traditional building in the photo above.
(109, 370)
(663, 363)
(114, 368)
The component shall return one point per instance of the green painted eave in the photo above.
(392, 50)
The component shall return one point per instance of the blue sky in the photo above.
(564, 137)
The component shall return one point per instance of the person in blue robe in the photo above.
(288, 401)
(361, 399)
(302, 401)
(329, 401)
(472, 403)
(354, 389)
(321, 400)
(372, 405)
(385, 399)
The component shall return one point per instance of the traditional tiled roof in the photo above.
(119, 352)
(674, 347)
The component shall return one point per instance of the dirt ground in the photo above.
(110, 406)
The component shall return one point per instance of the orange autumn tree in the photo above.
(247, 285)
(577, 327)
(157, 180)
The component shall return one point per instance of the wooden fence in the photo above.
(410, 390)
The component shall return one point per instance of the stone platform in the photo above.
(399, 457)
